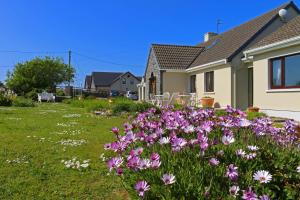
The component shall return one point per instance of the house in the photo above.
(106, 82)
(253, 64)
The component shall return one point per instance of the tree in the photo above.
(39, 74)
(1, 84)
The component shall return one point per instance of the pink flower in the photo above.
(214, 162)
(115, 130)
(155, 164)
(141, 187)
(154, 157)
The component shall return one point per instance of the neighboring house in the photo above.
(245, 66)
(105, 82)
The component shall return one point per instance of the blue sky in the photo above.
(112, 31)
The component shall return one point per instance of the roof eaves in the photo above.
(259, 31)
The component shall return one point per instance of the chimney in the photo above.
(209, 35)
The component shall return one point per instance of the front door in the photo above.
(250, 87)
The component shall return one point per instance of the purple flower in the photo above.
(144, 164)
(249, 194)
(168, 179)
(214, 162)
(133, 162)
(264, 197)
(141, 187)
(232, 172)
(178, 144)
(119, 171)
(107, 146)
(115, 162)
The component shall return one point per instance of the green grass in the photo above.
(44, 176)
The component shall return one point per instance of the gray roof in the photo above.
(105, 78)
(289, 30)
(228, 44)
(175, 56)
(88, 81)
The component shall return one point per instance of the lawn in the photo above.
(31, 154)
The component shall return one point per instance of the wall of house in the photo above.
(240, 70)
(222, 85)
(152, 67)
(131, 84)
(286, 100)
(175, 82)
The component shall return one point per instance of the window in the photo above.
(285, 72)
(131, 82)
(193, 83)
(209, 81)
(123, 81)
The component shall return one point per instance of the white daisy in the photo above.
(234, 190)
(244, 123)
(164, 140)
(262, 176)
(298, 169)
(168, 179)
(241, 153)
(226, 139)
(253, 148)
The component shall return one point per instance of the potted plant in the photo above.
(253, 109)
(207, 102)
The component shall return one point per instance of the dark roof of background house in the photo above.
(227, 44)
(105, 78)
(175, 56)
(88, 81)
(289, 30)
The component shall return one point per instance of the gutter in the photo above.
(208, 65)
(272, 47)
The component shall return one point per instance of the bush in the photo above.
(5, 100)
(210, 157)
(60, 92)
(23, 102)
(33, 94)
(253, 115)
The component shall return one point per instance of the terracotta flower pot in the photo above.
(207, 102)
(253, 109)
(298, 131)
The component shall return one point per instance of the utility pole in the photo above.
(219, 22)
(70, 55)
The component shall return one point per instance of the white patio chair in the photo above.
(174, 96)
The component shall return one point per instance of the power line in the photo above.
(34, 52)
(105, 61)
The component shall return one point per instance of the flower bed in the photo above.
(194, 154)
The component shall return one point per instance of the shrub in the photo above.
(5, 100)
(253, 115)
(23, 102)
(33, 94)
(60, 92)
(193, 154)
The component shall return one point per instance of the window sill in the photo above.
(283, 90)
(208, 93)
